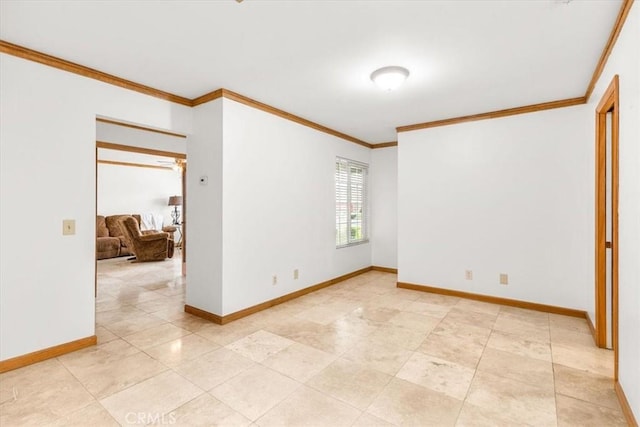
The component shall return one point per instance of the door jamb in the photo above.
(608, 103)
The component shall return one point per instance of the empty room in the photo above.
(320, 213)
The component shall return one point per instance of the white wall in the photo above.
(384, 207)
(131, 189)
(47, 174)
(279, 207)
(624, 61)
(511, 195)
(204, 209)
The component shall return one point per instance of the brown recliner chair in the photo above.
(146, 247)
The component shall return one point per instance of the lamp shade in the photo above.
(175, 201)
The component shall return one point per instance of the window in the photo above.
(351, 202)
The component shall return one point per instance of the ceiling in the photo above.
(313, 58)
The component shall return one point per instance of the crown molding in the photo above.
(385, 144)
(495, 114)
(72, 67)
(285, 115)
(608, 48)
(42, 58)
(207, 97)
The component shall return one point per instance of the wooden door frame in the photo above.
(608, 104)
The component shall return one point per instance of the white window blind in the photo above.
(351, 202)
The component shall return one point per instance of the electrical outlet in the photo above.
(295, 274)
(274, 280)
(504, 279)
(68, 227)
(468, 274)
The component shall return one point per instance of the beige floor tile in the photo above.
(155, 335)
(437, 374)
(350, 382)
(585, 386)
(123, 312)
(91, 357)
(404, 403)
(226, 334)
(307, 407)
(461, 350)
(368, 420)
(214, 368)
(374, 313)
(571, 337)
(519, 345)
(161, 302)
(516, 367)
(260, 345)
(515, 400)
(355, 325)
(574, 412)
(387, 358)
(438, 299)
(171, 314)
(299, 361)
(189, 322)
(40, 394)
(526, 317)
(463, 330)
(598, 361)
(106, 378)
(255, 391)
(205, 411)
(524, 313)
(91, 415)
(154, 398)
(178, 351)
(478, 306)
(134, 324)
(365, 320)
(414, 321)
(577, 324)
(330, 340)
(397, 336)
(283, 326)
(427, 309)
(473, 318)
(104, 335)
(475, 416)
(515, 325)
(327, 312)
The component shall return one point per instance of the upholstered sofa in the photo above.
(110, 240)
(155, 246)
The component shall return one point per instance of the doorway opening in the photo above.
(606, 232)
(140, 175)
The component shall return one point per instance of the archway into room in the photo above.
(606, 232)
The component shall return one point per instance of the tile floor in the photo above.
(360, 353)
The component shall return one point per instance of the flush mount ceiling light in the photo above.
(389, 78)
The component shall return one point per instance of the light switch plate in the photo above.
(68, 227)
(504, 279)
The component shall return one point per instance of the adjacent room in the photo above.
(410, 213)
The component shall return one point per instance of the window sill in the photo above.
(348, 245)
